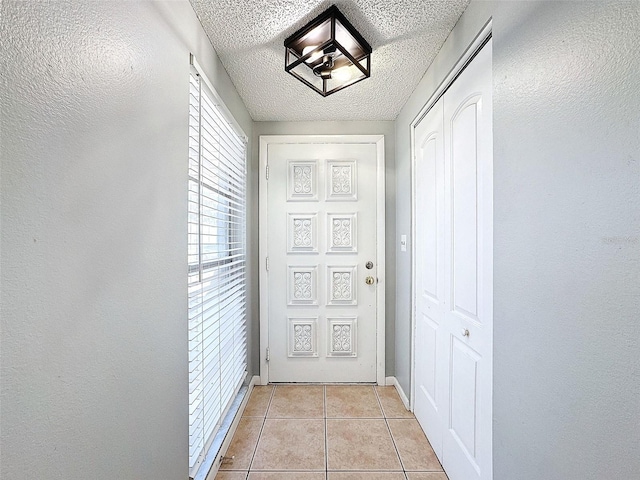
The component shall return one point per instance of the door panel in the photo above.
(429, 214)
(463, 381)
(321, 232)
(467, 442)
(453, 337)
(464, 208)
(430, 340)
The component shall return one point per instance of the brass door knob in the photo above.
(369, 280)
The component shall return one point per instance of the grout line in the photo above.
(363, 418)
(377, 470)
(384, 414)
(393, 440)
(264, 420)
(326, 432)
(284, 470)
(273, 394)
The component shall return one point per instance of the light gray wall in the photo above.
(336, 128)
(566, 232)
(93, 240)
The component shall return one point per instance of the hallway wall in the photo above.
(566, 232)
(93, 143)
(94, 125)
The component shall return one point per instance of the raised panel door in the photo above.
(453, 265)
(321, 222)
(430, 339)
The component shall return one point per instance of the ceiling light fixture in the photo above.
(328, 54)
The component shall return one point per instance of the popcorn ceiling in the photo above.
(248, 36)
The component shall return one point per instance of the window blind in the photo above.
(216, 265)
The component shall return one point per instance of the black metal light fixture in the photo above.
(328, 54)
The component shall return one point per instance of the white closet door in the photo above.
(469, 276)
(430, 339)
(454, 357)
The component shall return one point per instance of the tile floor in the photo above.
(328, 432)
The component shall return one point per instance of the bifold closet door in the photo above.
(454, 273)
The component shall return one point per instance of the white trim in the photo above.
(264, 292)
(465, 58)
(211, 475)
(380, 261)
(378, 140)
(393, 381)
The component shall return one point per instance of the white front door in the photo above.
(321, 253)
(454, 273)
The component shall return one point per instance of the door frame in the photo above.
(469, 54)
(378, 141)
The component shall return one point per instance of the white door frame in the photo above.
(378, 141)
(481, 39)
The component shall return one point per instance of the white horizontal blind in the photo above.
(217, 266)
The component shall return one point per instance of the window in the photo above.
(217, 265)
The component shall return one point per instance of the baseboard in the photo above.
(213, 471)
(393, 381)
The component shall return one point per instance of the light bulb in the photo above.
(344, 74)
(313, 57)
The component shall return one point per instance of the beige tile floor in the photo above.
(328, 432)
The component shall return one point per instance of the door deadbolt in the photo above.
(369, 280)
(369, 265)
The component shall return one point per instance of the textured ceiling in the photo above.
(248, 36)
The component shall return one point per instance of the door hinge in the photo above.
(267, 172)
(267, 263)
(267, 357)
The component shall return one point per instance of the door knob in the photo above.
(465, 332)
(369, 280)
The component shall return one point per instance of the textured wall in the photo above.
(93, 240)
(566, 232)
(337, 128)
(567, 240)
